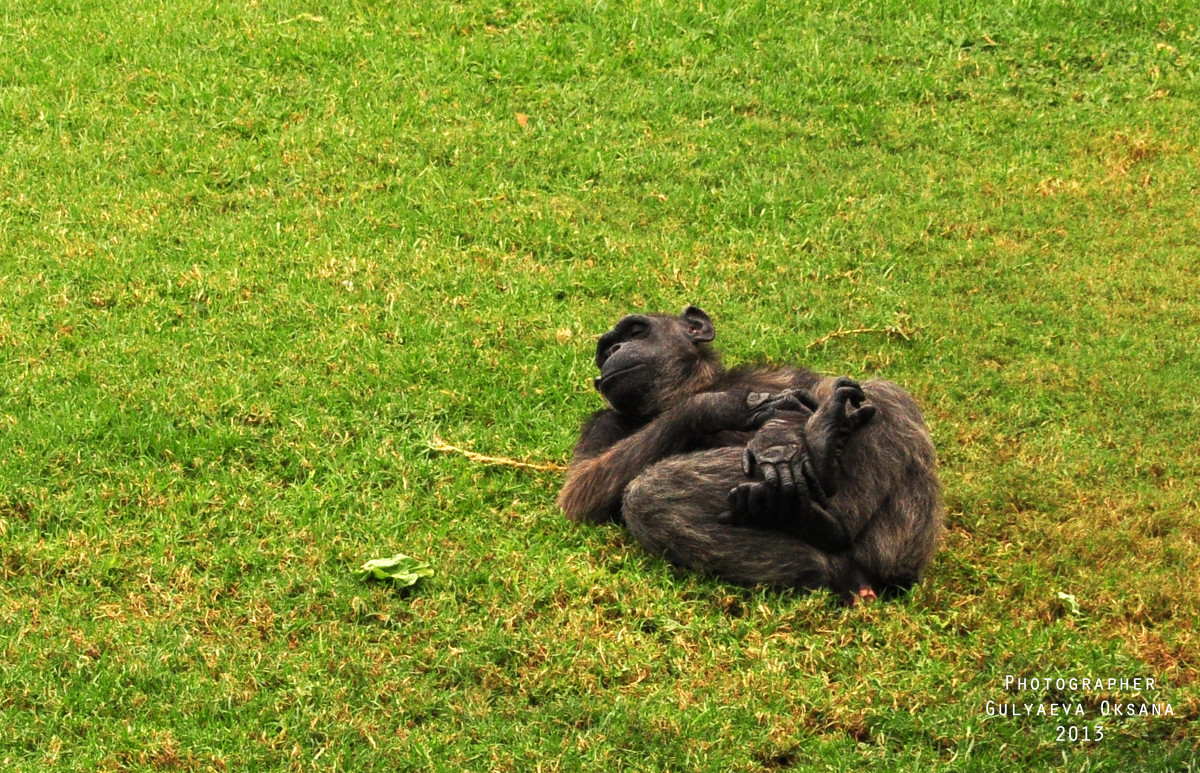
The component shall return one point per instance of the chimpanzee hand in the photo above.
(828, 428)
(762, 407)
(744, 410)
(777, 455)
(786, 498)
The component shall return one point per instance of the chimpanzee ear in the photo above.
(699, 326)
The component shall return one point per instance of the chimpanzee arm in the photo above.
(598, 475)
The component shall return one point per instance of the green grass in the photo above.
(254, 256)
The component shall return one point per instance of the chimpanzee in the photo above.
(764, 475)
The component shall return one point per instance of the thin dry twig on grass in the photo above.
(891, 330)
(437, 444)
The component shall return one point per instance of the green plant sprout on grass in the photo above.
(401, 570)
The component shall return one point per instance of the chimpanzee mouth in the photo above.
(602, 380)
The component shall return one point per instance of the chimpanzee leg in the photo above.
(674, 509)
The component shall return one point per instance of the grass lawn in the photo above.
(256, 256)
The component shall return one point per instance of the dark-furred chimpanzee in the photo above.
(775, 476)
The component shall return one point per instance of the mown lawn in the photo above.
(256, 256)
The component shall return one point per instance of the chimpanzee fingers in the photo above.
(742, 511)
(806, 399)
(761, 500)
(787, 483)
(813, 487)
(788, 401)
(804, 498)
(759, 410)
(756, 418)
(755, 400)
(728, 517)
(860, 416)
(770, 476)
(849, 394)
(749, 462)
(845, 382)
(738, 497)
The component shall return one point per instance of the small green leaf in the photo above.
(402, 570)
(1070, 603)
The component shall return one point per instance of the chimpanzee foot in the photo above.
(853, 588)
(862, 596)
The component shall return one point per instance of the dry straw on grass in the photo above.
(437, 444)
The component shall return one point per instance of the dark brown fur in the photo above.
(666, 461)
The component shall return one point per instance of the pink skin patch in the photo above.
(863, 595)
